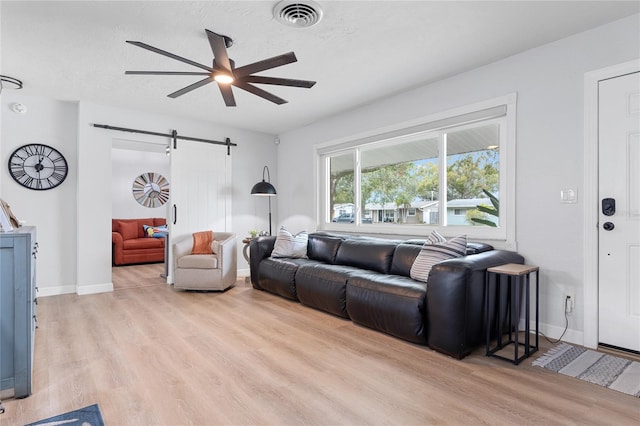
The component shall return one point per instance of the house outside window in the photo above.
(400, 181)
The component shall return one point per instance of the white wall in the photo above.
(53, 211)
(74, 220)
(549, 84)
(126, 165)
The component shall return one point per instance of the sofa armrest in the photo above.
(455, 317)
(118, 247)
(259, 248)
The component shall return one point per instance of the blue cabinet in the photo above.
(18, 252)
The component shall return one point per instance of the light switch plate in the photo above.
(569, 196)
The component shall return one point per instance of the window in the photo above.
(445, 173)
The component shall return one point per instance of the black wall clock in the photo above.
(37, 166)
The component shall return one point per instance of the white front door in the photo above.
(619, 215)
(200, 191)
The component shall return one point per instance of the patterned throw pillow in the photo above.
(435, 238)
(155, 231)
(289, 245)
(430, 254)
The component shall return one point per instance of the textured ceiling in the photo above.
(360, 52)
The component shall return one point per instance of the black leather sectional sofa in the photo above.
(367, 280)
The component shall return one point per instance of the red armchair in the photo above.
(130, 243)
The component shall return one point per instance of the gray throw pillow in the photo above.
(289, 245)
(430, 254)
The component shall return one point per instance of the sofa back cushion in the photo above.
(128, 230)
(403, 258)
(367, 253)
(323, 248)
(156, 221)
(475, 248)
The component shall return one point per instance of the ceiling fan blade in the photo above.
(191, 87)
(219, 49)
(170, 55)
(278, 81)
(259, 92)
(266, 64)
(165, 73)
(227, 95)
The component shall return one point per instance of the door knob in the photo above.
(608, 226)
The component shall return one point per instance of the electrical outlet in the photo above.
(568, 304)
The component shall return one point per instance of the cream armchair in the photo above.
(216, 271)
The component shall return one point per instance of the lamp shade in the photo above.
(263, 188)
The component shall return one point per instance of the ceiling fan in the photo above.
(224, 72)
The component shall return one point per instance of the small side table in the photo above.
(518, 279)
(245, 252)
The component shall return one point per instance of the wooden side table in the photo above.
(518, 279)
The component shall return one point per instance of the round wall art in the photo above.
(151, 189)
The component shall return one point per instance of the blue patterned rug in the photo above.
(610, 371)
(87, 416)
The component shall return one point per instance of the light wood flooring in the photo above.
(152, 355)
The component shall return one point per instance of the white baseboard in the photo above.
(94, 288)
(73, 289)
(56, 290)
(554, 332)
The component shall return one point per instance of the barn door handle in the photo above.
(175, 214)
(608, 206)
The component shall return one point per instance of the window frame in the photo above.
(500, 237)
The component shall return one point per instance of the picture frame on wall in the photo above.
(8, 221)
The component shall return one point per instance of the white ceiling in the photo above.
(360, 52)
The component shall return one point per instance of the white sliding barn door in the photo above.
(619, 223)
(200, 191)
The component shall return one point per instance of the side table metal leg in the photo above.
(515, 303)
(499, 310)
(527, 315)
(537, 308)
(487, 313)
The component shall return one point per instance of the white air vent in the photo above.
(300, 14)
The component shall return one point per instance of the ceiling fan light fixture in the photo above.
(223, 78)
(299, 14)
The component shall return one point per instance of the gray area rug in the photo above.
(612, 372)
(87, 416)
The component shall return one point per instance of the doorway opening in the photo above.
(131, 160)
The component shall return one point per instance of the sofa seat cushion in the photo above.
(143, 243)
(389, 303)
(277, 275)
(324, 287)
(198, 261)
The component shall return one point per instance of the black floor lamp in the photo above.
(265, 189)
